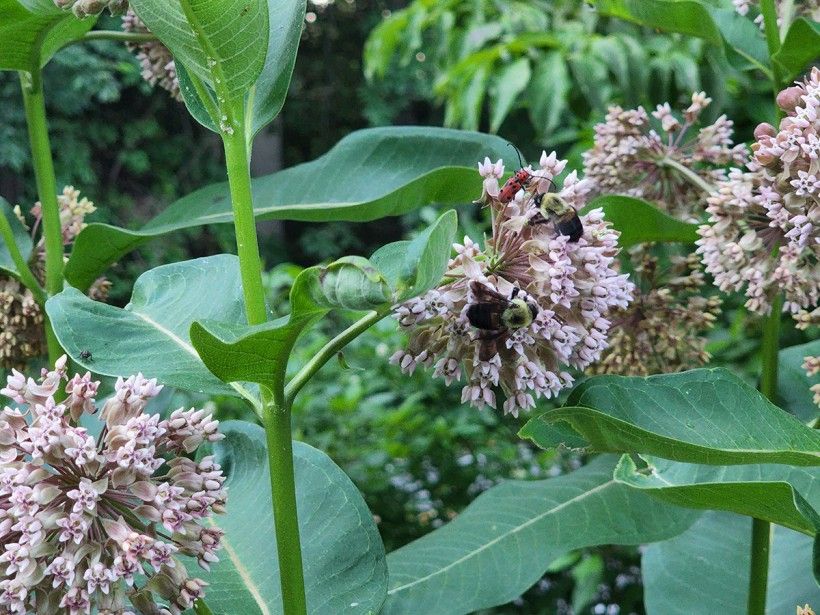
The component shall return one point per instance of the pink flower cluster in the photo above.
(90, 524)
(663, 163)
(764, 225)
(575, 285)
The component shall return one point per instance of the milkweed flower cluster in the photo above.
(575, 285)
(157, 65)
(88, 523)
(86, 8)
(764, 225)
(805, 8)
(661, 160)
(21, 319)
(662, 330)
(812, 367)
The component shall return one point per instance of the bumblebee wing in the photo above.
(484, 294)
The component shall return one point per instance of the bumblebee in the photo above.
(552, 208)
(493, 312)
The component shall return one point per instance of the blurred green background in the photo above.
(539, 73)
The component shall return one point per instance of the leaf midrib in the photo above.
(500, 537)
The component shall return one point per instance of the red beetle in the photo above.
(517, 182)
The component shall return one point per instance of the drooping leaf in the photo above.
(504, 541)
(743, 36)
(396, 272)
(32, 31)
(793, 384)
(799, 48)
(237, 352)
(705, 570)
(779, 494)
(684, 16)
(150, 334)
(21, 239)
(693, 417)
(509, 83)
(345, 569)
(640, 221)
(286, 19)
(223, 42)
(370, 174)
(414, 267)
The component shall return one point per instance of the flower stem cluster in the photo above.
(21, 320)
(764, 226)
(88, 523)
(662, 329)
(572, 287)
(156, 62)
(662, 161)
(87, 8)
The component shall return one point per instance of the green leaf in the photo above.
(505, 540)
(701, 416)
(414, 267)
(286, 18)
(509, 83)
(684, 16)
(222, 42)
(237, 352)
(21, 239)
(705, 570)
(150, 334)
(370, 174)
(793, 384)
(743, 36)
(799, 48)
(32, 31)
(548, 92)
(193, 100)
(779, 494)
(345, 569)
(639, 221)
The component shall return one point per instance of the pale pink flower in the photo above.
(81, 519)
(574, 284)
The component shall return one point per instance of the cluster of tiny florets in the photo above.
(812, 367)
(87, 8)
(574, 284)
(21, 319)
(157, 65)
(89, 524)
(657, 160)
(764, 226)
(662, 330)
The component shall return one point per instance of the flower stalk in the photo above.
(276, 412)
(35, 108)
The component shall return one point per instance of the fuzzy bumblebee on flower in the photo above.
(97, 524)
(533, 302)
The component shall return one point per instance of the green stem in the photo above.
(761, 530)
(758, 583)
(23, 271)
(769, 12)
(688, 174)
(276, 411)
(328, 351)
(34, 103)
(114, 35)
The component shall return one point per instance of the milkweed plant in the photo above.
(583, 312)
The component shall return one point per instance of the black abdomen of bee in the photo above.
(484, 316)
(572, 228)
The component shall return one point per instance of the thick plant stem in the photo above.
(283, 490)
(34, 102)
(758, 582)
(276, 412)
(762, 530)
